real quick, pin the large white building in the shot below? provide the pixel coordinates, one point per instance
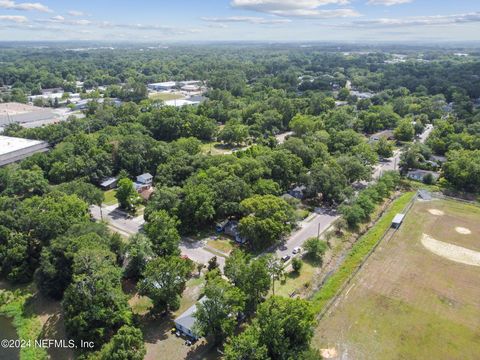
(167, 85)
(15, 149)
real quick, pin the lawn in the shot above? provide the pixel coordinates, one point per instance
(109, 197)
(296, 282)
(222, 244)
(407, 302)
(164, 96)
(215, 148)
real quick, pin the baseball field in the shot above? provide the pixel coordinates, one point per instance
(417, 296)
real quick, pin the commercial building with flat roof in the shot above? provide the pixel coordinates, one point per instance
(15, 149)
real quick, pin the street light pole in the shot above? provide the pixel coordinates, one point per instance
(318, 231)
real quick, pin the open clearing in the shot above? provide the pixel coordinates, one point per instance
(166, 96)
(409, 301)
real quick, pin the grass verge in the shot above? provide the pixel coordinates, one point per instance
(28, 326)
(361, 248)
(110, 198)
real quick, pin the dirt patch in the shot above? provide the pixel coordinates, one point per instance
(462, 230)
(452, 252)
(329, 353)
(436, 212)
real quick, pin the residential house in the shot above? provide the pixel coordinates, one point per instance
(298, 192)
(419, 175)
(230, 227)
(185, 322)
(144, 182)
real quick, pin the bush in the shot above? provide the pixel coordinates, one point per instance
(297, 264)
(315, 248)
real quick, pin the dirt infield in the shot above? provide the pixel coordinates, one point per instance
(452, 252)
(408, 302)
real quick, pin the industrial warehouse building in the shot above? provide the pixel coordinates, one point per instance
(23, 113)
(15, 149)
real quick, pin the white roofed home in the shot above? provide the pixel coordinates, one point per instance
(145, 179)
(186, 321)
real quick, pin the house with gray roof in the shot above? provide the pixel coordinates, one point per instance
(185, 322)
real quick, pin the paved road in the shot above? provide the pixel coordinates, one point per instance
(393, 162)
(390, 164)
(426, 133)
(308, 228)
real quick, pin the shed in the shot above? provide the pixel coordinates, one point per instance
(109, 183)
(397, 220)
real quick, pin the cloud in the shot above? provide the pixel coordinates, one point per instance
(59, 19)
(245, 19)
(14, 18)
(76, 13)
(388, 2)
(12, 5)
(296, 8)
(421, 20)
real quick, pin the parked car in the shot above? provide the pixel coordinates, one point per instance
(285, 258)
(297, 249)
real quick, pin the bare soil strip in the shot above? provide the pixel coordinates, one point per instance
(452, 252)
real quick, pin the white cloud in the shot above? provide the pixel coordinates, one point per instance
(14, 18)
(76, 13)
(12, 5)
(59, 19)
(388, 2)
(421, 20)
(245, 19)
(296, 8)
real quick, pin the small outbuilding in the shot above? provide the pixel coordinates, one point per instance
(110, 183)
(397, 220)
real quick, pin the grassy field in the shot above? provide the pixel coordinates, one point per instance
(165, 96)
(215, 148)
(408, 302)
(296, 282)
(109, 197)
(361, 249)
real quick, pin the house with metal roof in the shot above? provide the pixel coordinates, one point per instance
(185, 322)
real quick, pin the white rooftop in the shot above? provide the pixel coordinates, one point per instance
(398, 218)
(166, 83)
(11, 144)
(180, 102)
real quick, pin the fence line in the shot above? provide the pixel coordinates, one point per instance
(362, 263)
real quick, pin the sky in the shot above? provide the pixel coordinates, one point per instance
(241, 20)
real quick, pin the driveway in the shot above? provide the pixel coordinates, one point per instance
(195, 250)
(283, 136)
(117, 219)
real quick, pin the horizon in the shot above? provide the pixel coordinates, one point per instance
(332, 21)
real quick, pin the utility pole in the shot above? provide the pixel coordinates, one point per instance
(318, 231)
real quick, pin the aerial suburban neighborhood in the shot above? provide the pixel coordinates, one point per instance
(263, 180)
